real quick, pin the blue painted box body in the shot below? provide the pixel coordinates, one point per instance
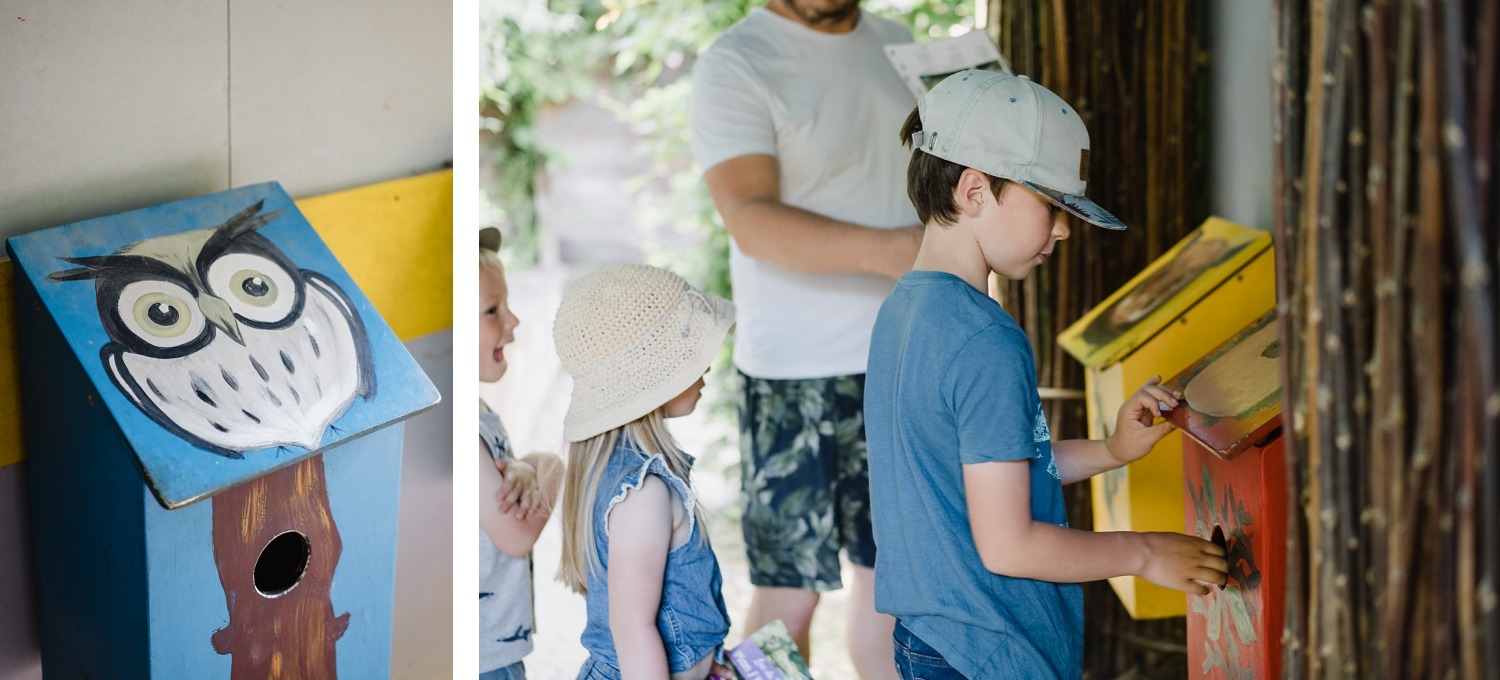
(175, 538)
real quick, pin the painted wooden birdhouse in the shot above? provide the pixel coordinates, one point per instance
(1212, 283)
(1234, 466)
(212, 415)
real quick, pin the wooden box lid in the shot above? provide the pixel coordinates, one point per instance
(1163, 292)
(1232, 396)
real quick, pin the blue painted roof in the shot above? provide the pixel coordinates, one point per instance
(222, 335)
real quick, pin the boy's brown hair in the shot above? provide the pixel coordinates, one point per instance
(930, 180)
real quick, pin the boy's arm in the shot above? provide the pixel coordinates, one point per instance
(640, 534)
(513, 536)
(747, 191)
(1011, 543)
(1134, 435)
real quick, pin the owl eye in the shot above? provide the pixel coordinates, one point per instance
(161, 313)
(257, 288)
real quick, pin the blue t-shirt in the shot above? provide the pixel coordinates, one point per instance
(952, 382)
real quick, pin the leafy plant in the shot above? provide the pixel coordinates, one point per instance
(533, 54)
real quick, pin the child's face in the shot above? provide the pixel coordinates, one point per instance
(1019, 232)
(497, 325)
(684, 403)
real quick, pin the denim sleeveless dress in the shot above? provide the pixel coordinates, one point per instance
(692, 618)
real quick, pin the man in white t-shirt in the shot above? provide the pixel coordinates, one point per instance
(794, 119)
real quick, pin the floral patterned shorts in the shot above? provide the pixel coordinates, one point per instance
(804, 476)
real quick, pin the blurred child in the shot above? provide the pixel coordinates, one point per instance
(976, 560)
(515, 495)
(637, 341)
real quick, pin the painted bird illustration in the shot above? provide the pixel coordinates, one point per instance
(221, 339)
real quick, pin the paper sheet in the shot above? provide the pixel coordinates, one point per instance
(922, 65)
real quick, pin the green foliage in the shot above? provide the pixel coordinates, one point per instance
(532, 54)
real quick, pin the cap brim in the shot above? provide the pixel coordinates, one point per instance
(1079, 206)
(489, 239)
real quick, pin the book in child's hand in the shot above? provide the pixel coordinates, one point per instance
(769, 654)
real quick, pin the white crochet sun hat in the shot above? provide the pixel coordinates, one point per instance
(633, 337)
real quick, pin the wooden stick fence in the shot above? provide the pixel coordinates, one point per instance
(1387, 251)
(1131, 68)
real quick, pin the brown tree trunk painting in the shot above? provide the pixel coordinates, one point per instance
(276, 547)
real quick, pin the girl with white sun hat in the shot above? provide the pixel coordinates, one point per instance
(637, 340)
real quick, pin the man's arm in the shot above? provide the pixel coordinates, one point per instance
(1011, 543)
(747, 192)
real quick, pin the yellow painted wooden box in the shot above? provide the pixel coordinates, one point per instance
(1217, 280)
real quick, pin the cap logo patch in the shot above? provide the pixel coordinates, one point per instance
(1083, 165)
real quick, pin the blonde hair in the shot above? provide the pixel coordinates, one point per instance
(489, 259)
(586, 462)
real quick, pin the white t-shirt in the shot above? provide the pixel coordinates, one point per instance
(829, 107)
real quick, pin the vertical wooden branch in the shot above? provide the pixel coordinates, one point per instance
(1286, 127)
(1474, 431)
(1404, 482)
(1383, 452)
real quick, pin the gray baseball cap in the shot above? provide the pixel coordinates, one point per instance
(1014, 129)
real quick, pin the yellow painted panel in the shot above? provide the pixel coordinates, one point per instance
(1162, 292)
(10, 369)
(394, 238)
(1147, 495)
(396, 241)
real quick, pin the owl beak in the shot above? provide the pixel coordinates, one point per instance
(217, 312)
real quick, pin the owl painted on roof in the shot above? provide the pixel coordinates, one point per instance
(220, 338)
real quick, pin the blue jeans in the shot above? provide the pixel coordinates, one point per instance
(916, 660)
(515, 671)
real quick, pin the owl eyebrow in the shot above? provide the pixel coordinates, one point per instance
(247, 221)
(106, 266)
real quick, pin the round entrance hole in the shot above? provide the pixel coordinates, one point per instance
(282, 563)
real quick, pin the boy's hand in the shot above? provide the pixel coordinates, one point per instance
(1134, 433)
(518, 488)
(1184, 563)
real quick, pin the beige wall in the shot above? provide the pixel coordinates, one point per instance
(1239, 41)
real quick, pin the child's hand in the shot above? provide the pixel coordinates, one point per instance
(719, 671)
(1134, 432)
(1184, 563)
(518, 488)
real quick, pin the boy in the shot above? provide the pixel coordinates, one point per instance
(515, 496)
(976, 561)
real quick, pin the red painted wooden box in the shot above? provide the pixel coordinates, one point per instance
(1234, 478)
